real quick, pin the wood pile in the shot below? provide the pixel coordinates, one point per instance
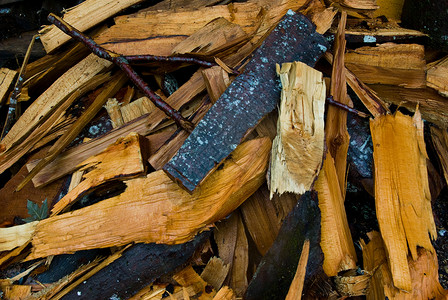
(225, 150)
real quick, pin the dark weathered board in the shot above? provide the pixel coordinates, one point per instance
(246, 101)
(277, 268)
(136, 268)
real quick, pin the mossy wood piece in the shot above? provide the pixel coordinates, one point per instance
(248, 99)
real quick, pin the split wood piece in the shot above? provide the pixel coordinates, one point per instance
(296, 288)
(225, 237)
(320, 15)
(7, 77)
(261, 219)
(298, 148)
(54, 96)
(41, 135)
(83, 16)
(218, 38)
(284, 204)
(177, 139)
(138, 265)
(216, 80)
(423, 269)
(175, 4)
(238, 272)
(248, 99)
(194, 284)
(336, 134)
(436, 77)
(276, 269)
(120, 115)
(145, 211)
(349, 284)
(402, 196)
(111, 88)
(215, 272)
(336, 241)
(158, 32)
(120, 161)
(432, 105)
(439, 139)
(394, 64)
(225, 293)
(67, 161)
(358, 4)
(16, 236)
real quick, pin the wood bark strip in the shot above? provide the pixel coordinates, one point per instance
(402, 196)
(46, 103)
(155, 209)
(120, 161)
(298, 148)
(83, 16)
(251, 96)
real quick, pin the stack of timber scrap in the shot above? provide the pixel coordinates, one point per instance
(203, 149)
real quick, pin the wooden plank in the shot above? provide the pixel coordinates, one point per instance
(120, 161)
(155, 209)
(251, 96)
(6, 83)
(46, 103)
(83, 16)
(298, 148)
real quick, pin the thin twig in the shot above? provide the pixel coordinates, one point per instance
(331, 101)
(13, 111)
(123, 63)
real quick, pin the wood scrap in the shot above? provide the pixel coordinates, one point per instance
(395, 64)
(376, 263)
(16, 236)
(215, 272)
(216, 80)
(403, 201)
(298, 148)
(439, 139)
(248, 162)
(120, 161)
(212, 140)
(336, 240)
(193, 283)
(238, 273)
(296, 288)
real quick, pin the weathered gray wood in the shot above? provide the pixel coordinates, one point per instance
(251, 96)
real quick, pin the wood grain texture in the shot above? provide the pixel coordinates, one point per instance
(155, 209)
(6, 83)
(402, 196)
(251, 96)
(298, 148)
